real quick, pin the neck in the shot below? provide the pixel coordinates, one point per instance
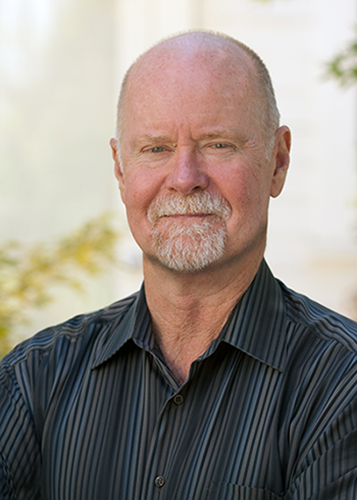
(188, 310)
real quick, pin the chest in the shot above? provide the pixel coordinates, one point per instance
(123, 431)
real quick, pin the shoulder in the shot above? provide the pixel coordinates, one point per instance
(84, 328)
(38, 367)
(321, 356)
(318, 321)
(319, 396)
(35, 375)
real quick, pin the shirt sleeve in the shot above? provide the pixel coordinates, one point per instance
(5, 493)
(19, 450)
(329, 470)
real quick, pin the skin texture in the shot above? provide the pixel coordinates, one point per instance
(192, 125)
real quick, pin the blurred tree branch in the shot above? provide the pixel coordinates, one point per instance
(343, 66)
(28, 272)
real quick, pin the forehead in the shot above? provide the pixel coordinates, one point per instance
(177, 78)
(183, 59)
(216, 50)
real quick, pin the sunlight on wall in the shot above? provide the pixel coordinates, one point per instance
(57, 102)
(61, 63)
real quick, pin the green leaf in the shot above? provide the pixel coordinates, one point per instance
(29, 273)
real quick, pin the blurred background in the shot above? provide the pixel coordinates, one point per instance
(61, 64)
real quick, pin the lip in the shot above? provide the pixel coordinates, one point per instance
(189, 215)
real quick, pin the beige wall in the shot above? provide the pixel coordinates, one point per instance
(312, 245)
(59, 76)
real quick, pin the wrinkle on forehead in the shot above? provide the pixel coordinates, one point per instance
(195, 62)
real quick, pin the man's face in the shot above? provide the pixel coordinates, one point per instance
(194, 174)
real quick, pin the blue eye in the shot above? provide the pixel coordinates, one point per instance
(157, 149)
(220, 145)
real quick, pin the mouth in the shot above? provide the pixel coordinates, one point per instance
(187, 216)
(198, 207)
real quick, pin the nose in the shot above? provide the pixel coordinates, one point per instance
(187, 173)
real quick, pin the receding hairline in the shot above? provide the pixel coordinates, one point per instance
(204, 40)
(196, 42)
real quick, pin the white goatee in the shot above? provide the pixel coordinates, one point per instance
(189, 245)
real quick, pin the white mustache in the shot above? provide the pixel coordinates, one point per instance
(202, 203)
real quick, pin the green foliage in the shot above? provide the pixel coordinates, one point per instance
(27, 273)
(343, 67)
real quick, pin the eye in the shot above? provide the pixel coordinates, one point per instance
(156, 149)
(221, 148)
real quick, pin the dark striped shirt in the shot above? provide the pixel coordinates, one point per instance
(90, 411)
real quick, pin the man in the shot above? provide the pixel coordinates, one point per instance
(215, 381)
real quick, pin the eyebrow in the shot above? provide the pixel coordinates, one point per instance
(220, 133)
(237, 138)
(151, 138)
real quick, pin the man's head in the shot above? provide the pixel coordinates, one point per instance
(197, 125)
(209, 43)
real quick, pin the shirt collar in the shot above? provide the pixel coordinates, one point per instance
(255, 325)
(133, 324)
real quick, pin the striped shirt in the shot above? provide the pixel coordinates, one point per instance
(90, 411)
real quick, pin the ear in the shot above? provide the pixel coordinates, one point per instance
(281, 158)
(118, 172)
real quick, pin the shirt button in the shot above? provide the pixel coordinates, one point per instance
(159, 481)
(178, 399)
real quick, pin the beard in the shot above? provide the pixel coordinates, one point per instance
(189, 245)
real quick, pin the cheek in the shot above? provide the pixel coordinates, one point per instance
(138, 191)
(240, 190)
(141, 188)
(248, 196)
